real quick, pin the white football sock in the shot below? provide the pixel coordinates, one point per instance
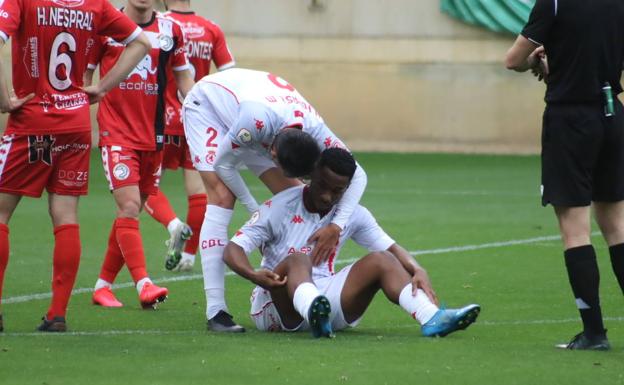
(173, 224)
(141, 283)
(303, 297)
(419, 307)
(188, 257)
(100, 283)
(212, 240)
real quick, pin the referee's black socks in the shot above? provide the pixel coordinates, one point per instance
(585, 279)
(617, 262)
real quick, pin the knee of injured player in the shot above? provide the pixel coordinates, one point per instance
(294, 263)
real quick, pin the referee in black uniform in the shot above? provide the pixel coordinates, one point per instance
(577, 46)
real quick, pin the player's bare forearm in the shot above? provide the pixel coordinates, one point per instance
(88, 77)
(234, 256)
(130, 57)
(408, 262)
(184, 81)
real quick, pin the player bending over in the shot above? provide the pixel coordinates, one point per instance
(292, 294)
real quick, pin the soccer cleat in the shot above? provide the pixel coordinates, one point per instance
(151, 295)
(185, 265)
(55, 325)
(318, 315)
(105, 298)
(223, 322)
(175, 244)
(583, 341)
(446, 321)
(1, 324)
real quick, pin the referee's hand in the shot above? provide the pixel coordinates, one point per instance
(540, 66)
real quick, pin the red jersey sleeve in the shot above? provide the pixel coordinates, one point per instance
(179, 61)
(117, 25)
(95, 53)
(10, 23)
(221, 54)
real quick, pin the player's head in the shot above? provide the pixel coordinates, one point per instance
(331, 177)
(141, 5)
(296, 152)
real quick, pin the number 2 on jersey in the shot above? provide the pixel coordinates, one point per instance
(58, 59)
(212, 135)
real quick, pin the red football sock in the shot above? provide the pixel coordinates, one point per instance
(4, 253)
(131, 245)
(195, 218)
(113, 260)
(159, 208)
(66, 261)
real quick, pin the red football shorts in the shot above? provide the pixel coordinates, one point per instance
(129, 167)
(176, 153)
(58, 163)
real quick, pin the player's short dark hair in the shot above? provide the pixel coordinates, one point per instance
(297, 152)
(339, 160)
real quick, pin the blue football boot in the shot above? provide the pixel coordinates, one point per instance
(446, 321)
(318, 315)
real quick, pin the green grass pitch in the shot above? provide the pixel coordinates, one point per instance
(474, 221)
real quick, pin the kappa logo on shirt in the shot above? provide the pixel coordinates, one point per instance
(259, 124)
(296, 219)
(144, 68)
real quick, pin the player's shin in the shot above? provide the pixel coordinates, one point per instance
(66, 262)
(131, 246)
(303, 297)
(159, 208)
(113, 261)
(194, 218)
(213, 238)
(419, 306)
(617, 262)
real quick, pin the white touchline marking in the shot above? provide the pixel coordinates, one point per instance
(180, 278)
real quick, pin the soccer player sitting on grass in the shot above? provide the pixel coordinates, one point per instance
(292, 294)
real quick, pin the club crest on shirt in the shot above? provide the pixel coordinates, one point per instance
(121, 171)
(166, 42)
(244, 135)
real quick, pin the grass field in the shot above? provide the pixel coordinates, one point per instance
(474, 222)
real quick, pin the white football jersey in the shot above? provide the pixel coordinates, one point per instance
(282, 226)
(262, 105)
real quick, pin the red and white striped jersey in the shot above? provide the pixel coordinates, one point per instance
(51, 41)
(132, 114)
(205, 43)
(282, 226)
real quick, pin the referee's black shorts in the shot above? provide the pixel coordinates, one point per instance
(582, 155)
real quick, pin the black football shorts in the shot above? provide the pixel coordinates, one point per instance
(582, 155)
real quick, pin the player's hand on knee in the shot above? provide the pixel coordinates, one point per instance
(326, 239)
(420, 280)
(268, 279)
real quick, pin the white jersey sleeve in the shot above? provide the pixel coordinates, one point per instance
(257, 231)
(367, 233)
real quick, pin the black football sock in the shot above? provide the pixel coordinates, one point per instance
(585, 280)
(617, 262)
